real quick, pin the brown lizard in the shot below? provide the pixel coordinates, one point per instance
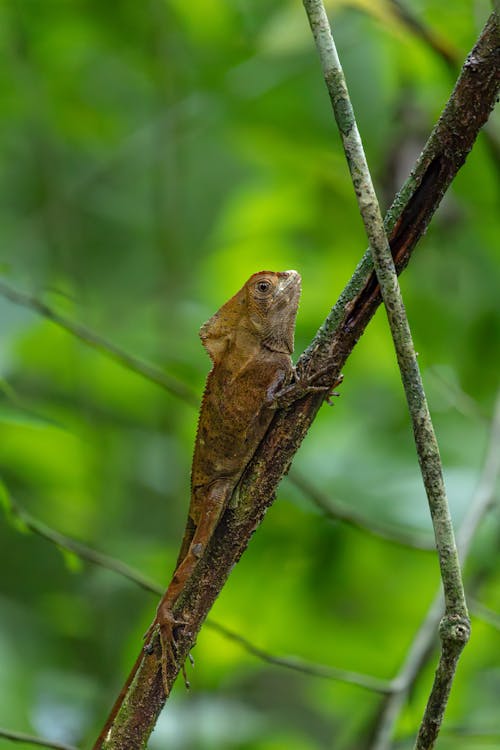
(249, 340)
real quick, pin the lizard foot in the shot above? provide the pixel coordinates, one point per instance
(165, 624)
(304, 386)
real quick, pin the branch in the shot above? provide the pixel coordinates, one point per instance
(29, 739)
(94, 340)
(142, 698)
(86, 553)
(440, 46)
(454, 628)
(450, 392)
(77, 548)
(347, 514)
(299, 665)
(424, 640)
(484, 613)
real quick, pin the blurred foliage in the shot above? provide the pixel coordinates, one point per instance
(154, 155)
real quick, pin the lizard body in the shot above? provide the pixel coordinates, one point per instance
(249, 340)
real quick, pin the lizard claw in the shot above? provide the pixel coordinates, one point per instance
(303, 386)
(165, 623)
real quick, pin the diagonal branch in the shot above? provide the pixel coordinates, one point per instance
(376, 684)
(339, 511)
(484, 613)
(98, 342)
(82, 551)
(138, 706)
(29, 739)
(440, 46)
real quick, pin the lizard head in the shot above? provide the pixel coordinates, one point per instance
(272, 299)
(264, 310)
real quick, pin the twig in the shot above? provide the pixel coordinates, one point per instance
(136, 710)
(450, 392)
(437, 44)
(484, 613)
(299, 665)
(29, 739)
(14, 398)
(331, 508)
(485, 490)
(454, 628)
(340, 512)
(88, 554)
(77, 548)
(148, 371)
(442, 48)
(424, 640)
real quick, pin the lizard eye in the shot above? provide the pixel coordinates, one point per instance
(263, 286)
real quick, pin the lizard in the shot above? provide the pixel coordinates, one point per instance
(250, 340)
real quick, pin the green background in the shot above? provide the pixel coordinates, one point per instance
(154, 155)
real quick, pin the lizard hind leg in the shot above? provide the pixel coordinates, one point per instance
(165, 623)
(212, 502)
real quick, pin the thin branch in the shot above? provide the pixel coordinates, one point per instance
(484, 495)
(450, 392)
(417, 655)
(18, 402)
(424, 640)
(88, 554)
(434, 41)
(77, 548)
(331, 508)
(442, 48)
(347, 514)
(94, 340)
(136, 710)
(299, 665)
(29, 739)
(454, 628)
(484, 613)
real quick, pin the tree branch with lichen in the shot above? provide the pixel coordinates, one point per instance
(454, 627)
(135, 713)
